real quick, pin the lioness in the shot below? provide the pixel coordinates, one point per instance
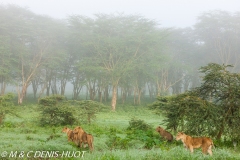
(165, 134)
(69, 133)
(191, 142)
(78, 136)
(88, 139)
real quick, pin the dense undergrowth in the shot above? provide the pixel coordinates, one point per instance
(128, 133)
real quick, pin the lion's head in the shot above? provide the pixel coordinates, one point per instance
(65, 130)
(159, 129)
(78, 130)
(180, 135)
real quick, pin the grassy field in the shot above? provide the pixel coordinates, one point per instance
(22, 138)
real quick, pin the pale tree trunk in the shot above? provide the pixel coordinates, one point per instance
(164, 84)
(114, 95)
(22, 93)
(137, 94)
(3, 88)
(123, 94)
(42, 90)
(150, 90)
(106, 93)
(77, 87)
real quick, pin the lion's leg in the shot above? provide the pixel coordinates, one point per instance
(90, 145)
(81, 144)
(204, 149)
(185, 146)
(191, 149)
(210, 150)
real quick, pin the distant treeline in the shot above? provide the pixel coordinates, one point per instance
(114, 55)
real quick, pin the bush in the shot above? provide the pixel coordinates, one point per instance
(55, 111)
(88, 109)
(117, 142)
(6, 101)
(138, 124)
(140, 130)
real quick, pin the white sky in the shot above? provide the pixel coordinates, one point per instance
(169, 13)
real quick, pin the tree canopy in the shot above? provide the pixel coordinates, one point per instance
(109, 57)
(211, 109)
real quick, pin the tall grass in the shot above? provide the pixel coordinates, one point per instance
(23, 133)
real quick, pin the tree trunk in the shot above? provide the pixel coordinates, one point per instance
(139, 96)
(106, 94)
(22, 93)
(219, 135)
(123, 95)
(135, 95)
(63, 86)
(35, 87)
(114, 97)
(42, 90)
(3, 88)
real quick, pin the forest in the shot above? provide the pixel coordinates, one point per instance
(110, 57)
(118, 76)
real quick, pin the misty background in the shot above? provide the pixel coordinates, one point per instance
(126, 49)
(168, 13)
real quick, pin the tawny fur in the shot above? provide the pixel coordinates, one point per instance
(69, 132)
(78, 136)
(165, 134)
(88, 139)
(195, 142)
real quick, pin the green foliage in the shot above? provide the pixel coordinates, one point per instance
(222, 88)
(187, 112)
(211, 109)
(53, 135)
(116, 142)
(87, 109)
(30, 137)
(54, 111)
(6, 101)
(140, 130)
(137, 131)
(138, 124)
(51, 100)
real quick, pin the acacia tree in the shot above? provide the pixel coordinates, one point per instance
(221, 87)
(211, 109)
(31, 39)
(120, 41)
(6, 63)
(114, 43)
(218, 33)
(8, 44)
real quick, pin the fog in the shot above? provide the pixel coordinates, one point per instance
(169, 13)
(120, 50)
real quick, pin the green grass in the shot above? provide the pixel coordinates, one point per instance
(22, 133)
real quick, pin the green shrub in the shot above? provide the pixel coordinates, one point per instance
(140, 130)
(116, 142)
(87, 109)
(55, 112)
(9, 125)
(6, 101)
(138, 124)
